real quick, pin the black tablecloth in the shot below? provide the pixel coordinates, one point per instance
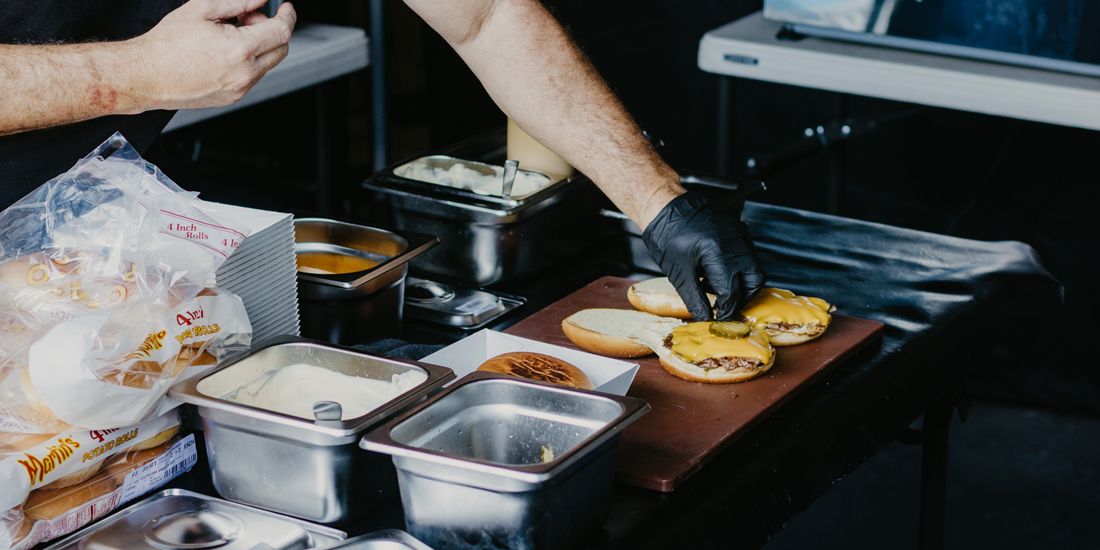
(945, 302)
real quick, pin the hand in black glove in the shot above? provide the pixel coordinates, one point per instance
(690, 240)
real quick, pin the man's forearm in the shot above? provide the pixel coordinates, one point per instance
(44, 86)
(206, 53)
(541, 79)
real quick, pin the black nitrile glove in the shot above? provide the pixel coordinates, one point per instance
(689, 240)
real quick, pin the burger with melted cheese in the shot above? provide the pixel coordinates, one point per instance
(788, 319)
(713, 353)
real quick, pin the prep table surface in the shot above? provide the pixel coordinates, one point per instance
(943, 301)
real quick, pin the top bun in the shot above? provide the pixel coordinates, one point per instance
(659, 297)
(537, 366)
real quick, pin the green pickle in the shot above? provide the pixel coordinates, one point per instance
(731, 329)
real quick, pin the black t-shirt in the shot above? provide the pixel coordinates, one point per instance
(29, 159)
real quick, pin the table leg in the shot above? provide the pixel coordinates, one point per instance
(324, 180)
(725, 91)
(933, 479)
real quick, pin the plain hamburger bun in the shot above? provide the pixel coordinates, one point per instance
(619, 332)
(120, 465)
(537, 366)
(659, 297)
(156, 440)
(36, 409)
(50, 504)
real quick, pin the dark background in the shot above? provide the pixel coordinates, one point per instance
(1022, 471)
(938, 170)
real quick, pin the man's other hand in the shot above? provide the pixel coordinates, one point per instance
(209, 53)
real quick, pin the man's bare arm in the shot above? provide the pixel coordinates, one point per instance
(540, 78)
(194, 58)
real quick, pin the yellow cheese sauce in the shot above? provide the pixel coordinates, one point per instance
(694, 342)
(774, 305)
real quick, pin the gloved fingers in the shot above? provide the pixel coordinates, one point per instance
(731, 300)
(754, 281)
(693, 296)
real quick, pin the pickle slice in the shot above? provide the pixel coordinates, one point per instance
(730, 329)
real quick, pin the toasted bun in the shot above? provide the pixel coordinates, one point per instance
(156, 440)
(49, 504)
(659, 297)
(536, 366)
(120, 465)
(688, 371)
(617, 332)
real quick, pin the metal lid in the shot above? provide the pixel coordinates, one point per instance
(193, 529)
(179, 519)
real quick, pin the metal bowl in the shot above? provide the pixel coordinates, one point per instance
(305, 468)
(475, 467)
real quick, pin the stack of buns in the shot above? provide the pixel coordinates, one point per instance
(73, 491)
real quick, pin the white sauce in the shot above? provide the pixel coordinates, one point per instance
(295, 388)
(461, 177)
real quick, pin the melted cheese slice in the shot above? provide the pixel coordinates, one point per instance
(774, 305)
(694, 342)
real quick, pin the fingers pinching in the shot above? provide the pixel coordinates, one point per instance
(270, 33)
(694, 298)
(224, 10)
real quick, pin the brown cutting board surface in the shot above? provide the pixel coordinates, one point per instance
(691, 422)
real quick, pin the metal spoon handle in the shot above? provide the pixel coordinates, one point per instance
(510, 169)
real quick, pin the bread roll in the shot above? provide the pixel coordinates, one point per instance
(616, 332)
(11, 443)
(659, 297)
(156, 440)
(537, 366)
(50, 504)
(36, 409)
(120, 465)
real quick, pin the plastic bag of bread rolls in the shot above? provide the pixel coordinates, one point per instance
(103, 298)
(55, 484)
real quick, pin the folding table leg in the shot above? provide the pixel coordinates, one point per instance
(933, 478)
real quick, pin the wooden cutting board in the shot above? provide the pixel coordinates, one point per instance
(691, 422)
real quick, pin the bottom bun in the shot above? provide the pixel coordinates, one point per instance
(617, 332)
(799, 334)
(50, 504)
(537, 366)
(687, 371)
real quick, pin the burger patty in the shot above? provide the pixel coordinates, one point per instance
(809, 330)
(728, 362)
